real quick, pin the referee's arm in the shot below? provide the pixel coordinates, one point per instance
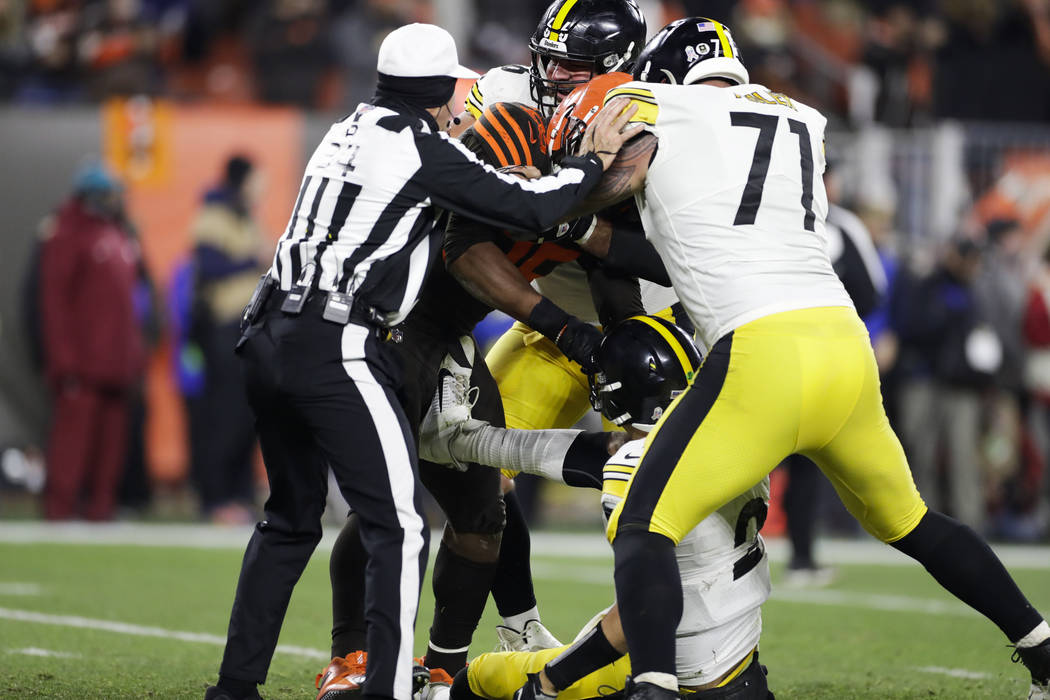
(456, 180)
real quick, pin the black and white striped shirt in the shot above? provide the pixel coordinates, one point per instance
(368, 217)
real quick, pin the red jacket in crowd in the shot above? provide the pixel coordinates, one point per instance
(89, 269)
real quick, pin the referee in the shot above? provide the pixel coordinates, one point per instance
(366, 225)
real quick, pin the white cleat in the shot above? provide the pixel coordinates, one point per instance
(1039, 692)
(534, 637)
(449, 413)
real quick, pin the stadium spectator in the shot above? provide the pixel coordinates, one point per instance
(119, 50)
(227, 246)
(291, 52)
(948, 356)
(93, 348)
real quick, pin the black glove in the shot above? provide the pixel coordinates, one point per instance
(575, 231)
(578, 340)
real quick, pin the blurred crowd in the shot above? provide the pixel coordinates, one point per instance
(889, 61)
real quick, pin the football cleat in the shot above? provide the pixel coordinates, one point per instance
(647, 691)
(449, 414)
(438, 685)
(533, 637)
(343, 677)
(1037, 660)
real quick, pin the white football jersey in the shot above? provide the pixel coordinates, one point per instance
(724, 570)
(566, 285)
(734, 201)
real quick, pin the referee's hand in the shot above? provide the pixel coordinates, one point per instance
(607, 133)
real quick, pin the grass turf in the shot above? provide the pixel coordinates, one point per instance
(842, 650)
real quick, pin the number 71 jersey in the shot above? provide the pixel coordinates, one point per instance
(734, 201)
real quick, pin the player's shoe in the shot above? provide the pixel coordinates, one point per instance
(216, 693)
(448, 417)
(532, 637)
(647, 691)
(813, 576)
(1037, 660)
(531, 690)
(437, 686)
(343, 677)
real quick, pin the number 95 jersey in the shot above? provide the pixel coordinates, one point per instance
(734, 201)
(724, 570)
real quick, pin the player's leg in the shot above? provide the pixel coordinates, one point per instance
(540, 389)
(469, 551)
(866, 464)
(736, 421)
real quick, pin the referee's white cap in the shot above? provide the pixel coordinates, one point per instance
(421, 51)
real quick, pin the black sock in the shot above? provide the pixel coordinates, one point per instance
(512, 586)
(649, 594)
(800, 507)
(583, 658)
(237, 688)
(461, 588)
(965, 565)
(346, 566)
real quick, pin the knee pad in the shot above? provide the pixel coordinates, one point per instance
(749, 685)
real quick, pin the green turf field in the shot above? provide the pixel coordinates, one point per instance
(134, 621)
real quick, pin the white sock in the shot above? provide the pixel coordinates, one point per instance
(1036, 637)
(540, 452)
(664, 680)
(517, 622)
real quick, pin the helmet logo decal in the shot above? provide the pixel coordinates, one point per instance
(657, 412)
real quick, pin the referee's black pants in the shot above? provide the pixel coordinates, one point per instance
(323, 394)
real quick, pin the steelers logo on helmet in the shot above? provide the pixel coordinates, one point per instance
(585, 36)
(688, 51)
(643, 364)
(570, 120)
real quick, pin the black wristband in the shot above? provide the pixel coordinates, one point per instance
(548, 318)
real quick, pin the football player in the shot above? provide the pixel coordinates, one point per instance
(727, 181)
(643, 364)
(439, 327)
(574, 41)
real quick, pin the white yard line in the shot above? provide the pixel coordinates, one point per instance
(554, 544)
(142, 631)
(35, 651)
(17, 588)
(955, 672)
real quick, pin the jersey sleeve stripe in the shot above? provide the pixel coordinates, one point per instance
(475, 103)
(648, 108)
(672, 342)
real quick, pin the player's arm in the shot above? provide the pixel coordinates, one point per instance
(483, 269)
(624, 250)
(616, 295)
(624, 178)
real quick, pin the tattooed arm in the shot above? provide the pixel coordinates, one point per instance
(625, 177)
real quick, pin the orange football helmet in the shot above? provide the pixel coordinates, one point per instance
(575, 112)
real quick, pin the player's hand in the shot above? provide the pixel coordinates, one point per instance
(526, 172)
(608, 131)
(579, 341)
(575, 231)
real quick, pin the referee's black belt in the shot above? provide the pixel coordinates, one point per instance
(318, 301)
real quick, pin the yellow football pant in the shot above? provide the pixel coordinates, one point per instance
(794, 382)
(498, 675)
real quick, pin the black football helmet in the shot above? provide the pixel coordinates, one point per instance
(606, 34)
(689, 50)
(643, 363)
